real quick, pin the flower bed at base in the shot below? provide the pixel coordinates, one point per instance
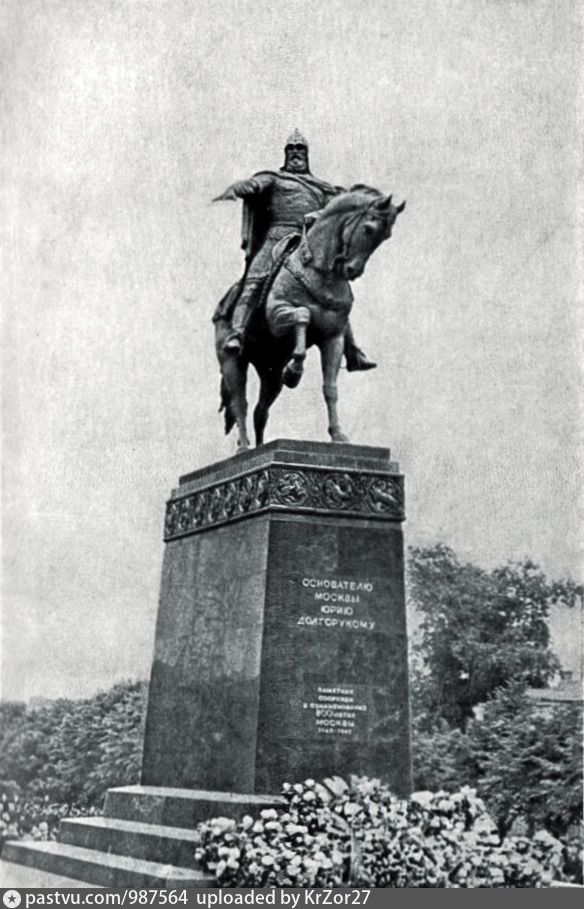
(35, 818)
(335, 834)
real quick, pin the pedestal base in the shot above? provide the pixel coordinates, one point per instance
(281, 646)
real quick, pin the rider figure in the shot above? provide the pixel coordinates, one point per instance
(275, 203)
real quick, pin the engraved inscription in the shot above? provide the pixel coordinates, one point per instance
(338, 604)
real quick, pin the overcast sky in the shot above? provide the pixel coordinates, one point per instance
(123, 119)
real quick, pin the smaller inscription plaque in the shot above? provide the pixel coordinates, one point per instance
(339, 710)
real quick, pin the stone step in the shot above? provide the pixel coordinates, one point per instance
(102, 869)
(149, 842)
(182, 807)
(23, 877)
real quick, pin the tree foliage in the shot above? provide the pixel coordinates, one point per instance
(480, 630)
(71, 752)
(442, 757)
(529, 763)
(484, 638)
(525, 764)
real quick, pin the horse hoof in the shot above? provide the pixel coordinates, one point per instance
(292, 374)
(340, 437)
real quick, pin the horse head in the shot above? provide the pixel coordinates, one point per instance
(370, 225)
(349, 229)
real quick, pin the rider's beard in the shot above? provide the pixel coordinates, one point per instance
(296, 163)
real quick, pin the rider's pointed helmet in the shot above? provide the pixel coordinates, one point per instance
(296, 138)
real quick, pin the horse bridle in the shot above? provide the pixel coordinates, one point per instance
(357, 217)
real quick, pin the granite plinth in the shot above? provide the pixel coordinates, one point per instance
(281, 642)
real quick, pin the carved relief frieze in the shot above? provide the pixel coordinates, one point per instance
(291, 487)
(385, 495)
(308, 489)
(339, 490)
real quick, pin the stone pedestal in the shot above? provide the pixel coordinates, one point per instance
(281, 654)
(281, 644)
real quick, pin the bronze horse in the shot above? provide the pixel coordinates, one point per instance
(308, 302)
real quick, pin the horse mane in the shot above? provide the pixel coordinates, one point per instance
(362, 187)
(356, 197)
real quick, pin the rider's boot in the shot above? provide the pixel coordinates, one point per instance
(356, 359)
(240, 318)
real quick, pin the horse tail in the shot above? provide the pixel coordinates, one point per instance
(227, 407)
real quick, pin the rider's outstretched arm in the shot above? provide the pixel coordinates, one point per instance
(244, 188)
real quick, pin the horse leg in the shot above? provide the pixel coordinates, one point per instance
(270, 388)
(331, 353)
(234, 371)
(293, 370)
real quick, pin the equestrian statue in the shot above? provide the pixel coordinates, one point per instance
(304, 241)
